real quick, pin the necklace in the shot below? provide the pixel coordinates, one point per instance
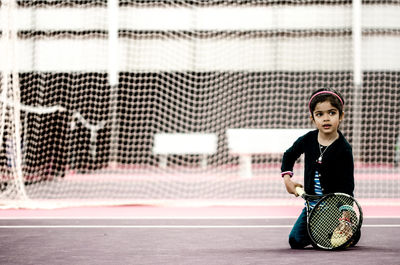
(319, 161)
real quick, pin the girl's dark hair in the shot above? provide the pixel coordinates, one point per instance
(333, 96)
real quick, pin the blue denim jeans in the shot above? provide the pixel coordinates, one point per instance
(298, 237)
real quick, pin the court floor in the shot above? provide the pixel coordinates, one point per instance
(219, 235)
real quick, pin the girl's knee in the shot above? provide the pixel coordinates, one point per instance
(298, 243)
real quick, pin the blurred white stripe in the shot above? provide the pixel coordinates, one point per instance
(268, 54)
(209, 18)
(314, 53)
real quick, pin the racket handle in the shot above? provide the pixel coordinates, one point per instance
(300, 191)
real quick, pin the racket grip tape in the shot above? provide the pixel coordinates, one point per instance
(300, 191)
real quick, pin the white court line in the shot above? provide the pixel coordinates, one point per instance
(383, 226)
(147, 217)
(168, 217)
(144, 226)
(168, 226)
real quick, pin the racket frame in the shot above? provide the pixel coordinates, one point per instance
(321, 198)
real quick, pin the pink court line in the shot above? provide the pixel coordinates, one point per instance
(227, 172)
(137, 212)
(205, 177)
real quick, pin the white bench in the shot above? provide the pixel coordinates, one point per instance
(246, 142)
(184, 144)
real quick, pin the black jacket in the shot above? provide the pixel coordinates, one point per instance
(337, 168)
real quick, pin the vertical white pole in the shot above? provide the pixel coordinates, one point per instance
(113, 70)
(17, 132)
(4, 63)
(12, 68)
(112, 14)
(357, 76)
(357, 41)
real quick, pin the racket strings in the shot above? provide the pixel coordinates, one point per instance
(333, 221)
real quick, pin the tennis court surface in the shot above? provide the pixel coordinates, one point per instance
(182, 235)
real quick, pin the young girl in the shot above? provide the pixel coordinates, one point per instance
(328, 158)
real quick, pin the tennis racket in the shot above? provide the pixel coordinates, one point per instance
(334, 222)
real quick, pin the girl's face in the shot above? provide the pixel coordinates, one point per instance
(326, 118)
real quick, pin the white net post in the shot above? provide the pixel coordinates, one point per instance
(4, 73)
(113, 71)
(11, 102)
(357, 76)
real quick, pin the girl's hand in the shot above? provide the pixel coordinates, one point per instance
(291, 185)
(342, 233)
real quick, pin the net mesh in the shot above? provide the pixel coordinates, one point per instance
(134, 101)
